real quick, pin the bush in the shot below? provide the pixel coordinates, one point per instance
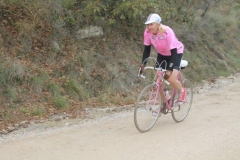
(130, 15)
(54, 89)
(12, 72)
(74, 89)
(60, 102)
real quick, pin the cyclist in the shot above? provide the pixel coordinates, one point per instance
(169, 48)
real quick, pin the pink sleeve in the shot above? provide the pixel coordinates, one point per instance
(147, 38)
(171, 37)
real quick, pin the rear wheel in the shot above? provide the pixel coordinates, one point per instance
(147, 108)
(180, 110)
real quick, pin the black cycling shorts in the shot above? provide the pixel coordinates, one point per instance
(176, 64)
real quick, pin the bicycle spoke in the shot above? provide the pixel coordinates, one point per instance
(147, 108)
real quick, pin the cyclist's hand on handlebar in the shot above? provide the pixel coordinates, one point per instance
(167, 74)
(141, 68)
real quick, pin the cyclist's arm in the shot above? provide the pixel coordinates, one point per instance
(146, 53)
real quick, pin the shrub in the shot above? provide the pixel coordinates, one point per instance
(74, 89)
(37, 82)
(54, 89)
(60, 102)
(38, 111)
(130, 15)
(12, 72)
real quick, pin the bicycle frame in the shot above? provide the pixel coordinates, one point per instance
(160, 82)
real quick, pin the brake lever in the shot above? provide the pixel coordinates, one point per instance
(141, 75)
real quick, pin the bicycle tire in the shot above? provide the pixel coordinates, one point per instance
(147, 108)
(180, 110)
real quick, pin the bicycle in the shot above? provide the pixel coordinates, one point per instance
(159, 97)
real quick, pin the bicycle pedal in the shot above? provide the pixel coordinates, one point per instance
(164, 109)
(166, 112)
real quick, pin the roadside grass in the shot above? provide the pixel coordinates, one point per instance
(10, 92)
(12, 72)
(37, 82)
(54, 88)
(60, 102)
(38, 111)
(75, 90)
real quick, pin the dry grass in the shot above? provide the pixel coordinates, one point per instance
(213, 43)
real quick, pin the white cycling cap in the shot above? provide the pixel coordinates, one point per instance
(153, 18)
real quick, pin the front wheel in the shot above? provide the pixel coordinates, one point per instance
(180, 110)
(147, 108)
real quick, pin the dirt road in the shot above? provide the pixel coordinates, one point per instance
(211, 131)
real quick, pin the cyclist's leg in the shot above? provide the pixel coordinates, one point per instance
(173, 79)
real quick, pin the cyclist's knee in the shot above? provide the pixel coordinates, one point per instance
(174, 75)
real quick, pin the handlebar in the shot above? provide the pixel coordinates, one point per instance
(159, 69)
(183, 64)
(150, 67)
(153, 68)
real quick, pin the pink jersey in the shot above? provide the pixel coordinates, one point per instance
(165, 42)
